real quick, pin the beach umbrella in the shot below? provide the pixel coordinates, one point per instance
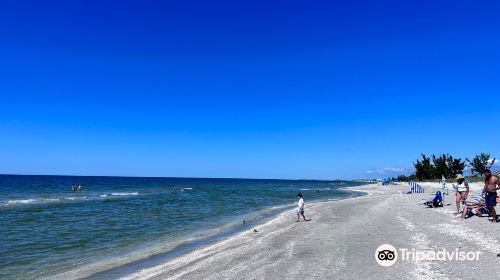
(444, 189)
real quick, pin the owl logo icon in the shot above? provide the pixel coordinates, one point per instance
(386, 255)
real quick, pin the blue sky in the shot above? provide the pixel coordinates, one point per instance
(255, 89)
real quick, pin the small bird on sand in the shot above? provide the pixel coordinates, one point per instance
(254, 230)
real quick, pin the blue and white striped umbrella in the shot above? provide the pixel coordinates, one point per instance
(416, 188)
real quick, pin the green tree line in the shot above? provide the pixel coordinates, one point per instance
(434, 167)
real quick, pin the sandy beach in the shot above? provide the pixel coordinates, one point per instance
(152, 140)
(341, 240)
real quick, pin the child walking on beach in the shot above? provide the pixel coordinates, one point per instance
(300, 209)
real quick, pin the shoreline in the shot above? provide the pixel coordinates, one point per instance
(342, 237)
(178, 248)
(118, 269)
(184, 247)
(215, 240)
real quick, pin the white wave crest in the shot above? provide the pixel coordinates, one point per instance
(124, 193)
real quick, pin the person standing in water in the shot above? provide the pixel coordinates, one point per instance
(300, 209)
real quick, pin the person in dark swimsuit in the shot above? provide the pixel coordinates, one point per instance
(491, 185)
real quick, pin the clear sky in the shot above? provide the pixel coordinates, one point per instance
(255, 89)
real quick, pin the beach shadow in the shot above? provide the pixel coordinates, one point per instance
(490, 219)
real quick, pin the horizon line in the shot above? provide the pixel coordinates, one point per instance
(175, 177)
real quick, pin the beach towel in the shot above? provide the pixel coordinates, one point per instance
(474, 198)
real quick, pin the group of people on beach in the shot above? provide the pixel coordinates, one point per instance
(485, 205)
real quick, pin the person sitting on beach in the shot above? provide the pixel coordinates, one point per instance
(436, 202)
(478, 202)
(491, 185)
(477, 208)
(300, 209)
(470, 211)
(462, 191)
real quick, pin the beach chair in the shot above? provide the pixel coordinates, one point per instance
(416, 188)
(474, 198)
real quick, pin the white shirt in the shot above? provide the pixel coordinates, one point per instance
(301, 201)
(461, 187)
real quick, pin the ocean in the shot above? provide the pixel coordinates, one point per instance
(121, 224)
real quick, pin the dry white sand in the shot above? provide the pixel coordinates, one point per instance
(341, 240)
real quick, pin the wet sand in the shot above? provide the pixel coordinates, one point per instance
(340, 243)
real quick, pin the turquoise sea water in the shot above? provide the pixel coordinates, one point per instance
(46, 229)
